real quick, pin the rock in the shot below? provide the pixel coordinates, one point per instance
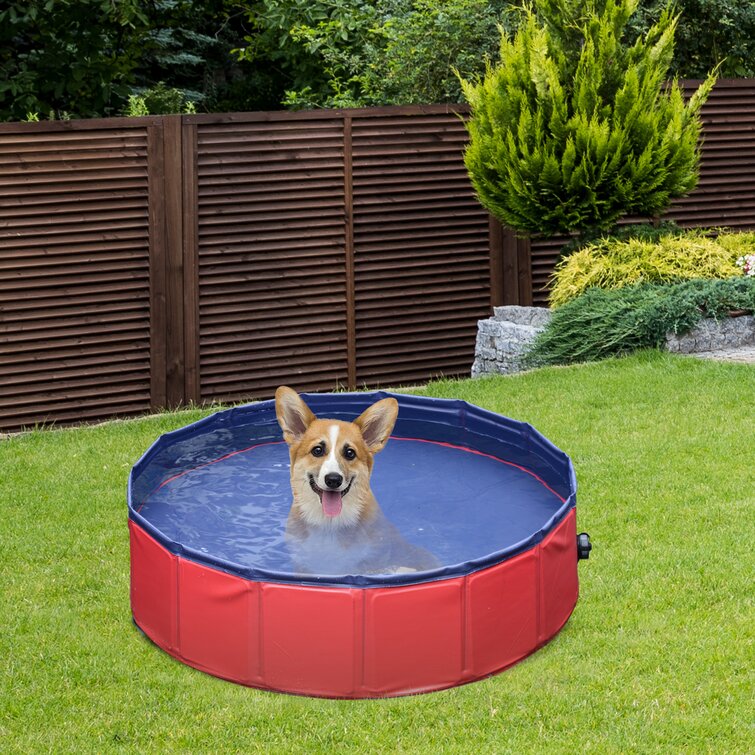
(503, 339)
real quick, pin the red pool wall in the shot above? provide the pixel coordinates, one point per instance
(354, 642)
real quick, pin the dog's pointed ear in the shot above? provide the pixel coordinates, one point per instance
(376, 423)
(294, 416)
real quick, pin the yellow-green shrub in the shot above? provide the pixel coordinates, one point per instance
(611, 263)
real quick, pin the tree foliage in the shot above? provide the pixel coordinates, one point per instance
(332, 53)
(709, 32)
(86, 57)
(347, 53)
(574, 127)
(316, 44)
(429, 44)
(73, 56)
(188, 47)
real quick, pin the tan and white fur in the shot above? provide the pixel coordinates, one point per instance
(335, 525)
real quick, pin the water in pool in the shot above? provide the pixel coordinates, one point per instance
(459, 505)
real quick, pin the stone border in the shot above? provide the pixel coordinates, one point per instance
(503, 339)
(714, 335)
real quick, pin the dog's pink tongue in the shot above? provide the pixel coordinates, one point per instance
(331, 502)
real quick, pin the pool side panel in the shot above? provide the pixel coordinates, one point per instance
(413, 638)
(307, 640)
(219, 623)
(559, 586)
(501, 620)
(154, 589)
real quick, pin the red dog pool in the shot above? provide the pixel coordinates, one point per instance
(212, 582)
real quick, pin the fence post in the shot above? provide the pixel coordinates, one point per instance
(510, 266)
(157, 292)
(348, 194)
(495, 244)
(174, 262)
(524, 267)
(190, 263)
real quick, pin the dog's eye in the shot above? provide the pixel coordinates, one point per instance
(349, 453)
(317, 451)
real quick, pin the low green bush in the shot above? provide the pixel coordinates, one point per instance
(612, 322)
(159, 100)
(671, 257)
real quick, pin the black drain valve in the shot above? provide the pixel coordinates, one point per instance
(584, 546)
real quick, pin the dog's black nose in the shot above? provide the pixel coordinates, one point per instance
(333, 480)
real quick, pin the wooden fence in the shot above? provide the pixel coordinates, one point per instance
(157, 261)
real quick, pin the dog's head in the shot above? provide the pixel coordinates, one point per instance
(331, 460)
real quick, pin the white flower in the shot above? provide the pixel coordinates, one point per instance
(747, 263)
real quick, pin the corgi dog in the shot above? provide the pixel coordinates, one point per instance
(335, 525)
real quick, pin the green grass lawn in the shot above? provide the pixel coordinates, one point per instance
(657, 656)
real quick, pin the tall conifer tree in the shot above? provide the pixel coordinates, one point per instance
(574, 127)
